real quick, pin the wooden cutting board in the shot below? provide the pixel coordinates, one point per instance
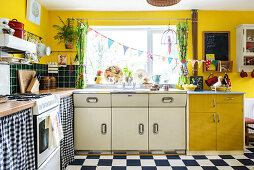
(25, 77)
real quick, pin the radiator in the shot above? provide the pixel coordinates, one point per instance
(249, 109)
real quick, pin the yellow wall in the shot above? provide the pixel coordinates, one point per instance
(17, 9)
(227, 21)
(208, 21)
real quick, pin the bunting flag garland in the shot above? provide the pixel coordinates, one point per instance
(169, 60)
(208, 63)
(183, 61)
(135, 52)
(125, 48)
(148, 56)
(193, 62)
(215, 62)
(110, 42)
(140, 53)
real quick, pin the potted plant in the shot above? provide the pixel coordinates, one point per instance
(66, 34)
(127, 74)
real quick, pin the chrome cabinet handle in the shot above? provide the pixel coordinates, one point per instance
(155, 128)
(103, 128)
(218, 118)
(214, 102)
(230, 98)
(141, 128)
(92, 100)
(214, 117)
(167, 99)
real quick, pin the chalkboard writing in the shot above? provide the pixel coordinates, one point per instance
(216, 43)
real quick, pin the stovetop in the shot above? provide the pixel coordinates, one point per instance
(26, 97)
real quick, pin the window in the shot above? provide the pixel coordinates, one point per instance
(139, 40)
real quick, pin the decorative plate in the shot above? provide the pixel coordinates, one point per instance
(113, 71)
(139, 75)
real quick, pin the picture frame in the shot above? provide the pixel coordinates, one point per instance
(200, 85)
(62, 60)
(33, 11)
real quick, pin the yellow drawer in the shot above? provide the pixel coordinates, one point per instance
(229, 98)
(202, 103)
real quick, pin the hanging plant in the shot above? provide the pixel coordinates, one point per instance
(66, 34)
(81, 44)
(182, 30)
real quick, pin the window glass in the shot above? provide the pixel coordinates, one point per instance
(100, 56)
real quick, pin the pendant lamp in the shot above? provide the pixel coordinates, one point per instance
(163, 3)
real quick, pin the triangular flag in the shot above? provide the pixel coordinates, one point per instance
(183, 61)
(110, 42)
(208, 63)
(200, 63)
(148, 56)
(163, 59)
(125, 48)
(215, 62)
(169, 60)
(90, 29)
(193, 62)
(140, 53)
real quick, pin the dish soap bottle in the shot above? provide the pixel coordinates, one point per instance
(98, 78)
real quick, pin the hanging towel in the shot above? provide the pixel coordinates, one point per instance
(53, 123)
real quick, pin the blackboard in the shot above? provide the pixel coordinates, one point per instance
(217, 43)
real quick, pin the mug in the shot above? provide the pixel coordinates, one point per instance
(156, 79)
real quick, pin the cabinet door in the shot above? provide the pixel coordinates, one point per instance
(167, 129)
(230, 126)
(202, 131)
(130, 129)
(92, 129)
(202, 103)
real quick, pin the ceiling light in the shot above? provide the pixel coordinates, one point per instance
(163, 3)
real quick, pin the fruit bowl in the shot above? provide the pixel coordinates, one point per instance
(189, 87)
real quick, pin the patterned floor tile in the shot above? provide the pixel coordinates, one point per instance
(165, 162)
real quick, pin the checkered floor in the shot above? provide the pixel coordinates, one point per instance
(175, 162)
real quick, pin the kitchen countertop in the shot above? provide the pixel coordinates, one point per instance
(213, 92)
(121, 91)
(62, 92)
(14, 106)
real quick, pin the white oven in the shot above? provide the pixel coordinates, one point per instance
(43, 151)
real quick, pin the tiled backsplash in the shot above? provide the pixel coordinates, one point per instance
(65, 78)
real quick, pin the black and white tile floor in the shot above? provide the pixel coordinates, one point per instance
(165, 162)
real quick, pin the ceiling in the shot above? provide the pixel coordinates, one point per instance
(142, 5)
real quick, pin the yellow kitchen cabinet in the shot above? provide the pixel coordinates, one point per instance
(229, 126)
(202, 103)
(220, 127)
(202, 131)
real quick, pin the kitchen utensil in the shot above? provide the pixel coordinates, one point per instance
(25, 77)
(18, 27)
(211, 80)
(113, 71)
(41, 49)
(156, 79)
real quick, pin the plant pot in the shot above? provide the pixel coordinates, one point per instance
(128, 79)
(69, 45)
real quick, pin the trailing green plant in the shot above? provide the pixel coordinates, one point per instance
(182, 30)
(66, 33)
(127, 72)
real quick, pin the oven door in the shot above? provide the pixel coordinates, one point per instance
(43, 150)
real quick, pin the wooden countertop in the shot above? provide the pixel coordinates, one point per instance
(15, 106)
(62, 92)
